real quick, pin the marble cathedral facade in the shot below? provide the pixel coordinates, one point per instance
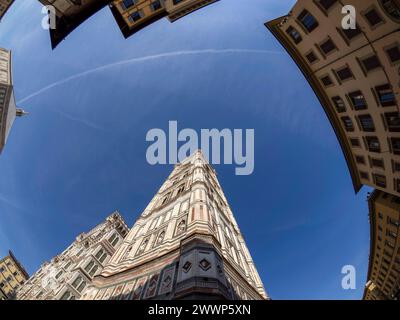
(67, 275)
(185, 245)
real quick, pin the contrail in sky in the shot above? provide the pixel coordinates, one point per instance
(77, 119)
(144, 59)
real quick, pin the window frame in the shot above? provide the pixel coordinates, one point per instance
(378, 89)
(352, 95)
(81, 285)
(301, 21)
(326, 54)
(338, 108)
(326, 76)
(323, 9)
(314, 54)
(347, 128)
(392, 46)
(362, 64)
(291, 35)
(368, 10)
(392, 143)
(391, 127)
(132, 20)
(373, 150)
(361, 118)
(339, 79)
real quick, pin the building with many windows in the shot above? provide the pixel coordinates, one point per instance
(12, 276)
(4, 6)
(355, 74)
(8, 109)
(69, 14)
(134, 15)
(383, 281)
(66, 275)
(131, 15)
(185, 245)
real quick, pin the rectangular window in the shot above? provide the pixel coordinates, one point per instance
(307, 20)
(348, 124)
(126, 4)
(373, 144)
(355, 142)
(393, 121)
(344, 74)
(360, 159)
(327, 4)
(67, 296)
(391, 234)
(396, 166)
(370, 63)
(294, 34)
(387, 254)
(390, 245)
(386, 95)
(327, 46)
(327, 81)
(311, 57)
(393, 54)
(373, 17)
(358, 100)
(135, 16)
(395, 145)
(366, 122)
(380, 180)
(156, 5)
(393, 222)
(378, 163)
(339, 104)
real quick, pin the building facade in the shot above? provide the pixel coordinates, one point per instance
(8, 109)
(134, 15)
(131, 15)
(185, 245)
(355, 74)
(4, 6)
(383, 281)
(70, 14)
(12, 276)
(66, 275)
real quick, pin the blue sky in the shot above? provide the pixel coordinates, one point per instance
(80, 154)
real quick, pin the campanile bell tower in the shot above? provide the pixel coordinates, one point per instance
(185, 245)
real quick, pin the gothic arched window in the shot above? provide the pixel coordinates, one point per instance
(181, 227)
(143, 246)
(127, 252)
(79, 284)
(160, 237)
(113, 240)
